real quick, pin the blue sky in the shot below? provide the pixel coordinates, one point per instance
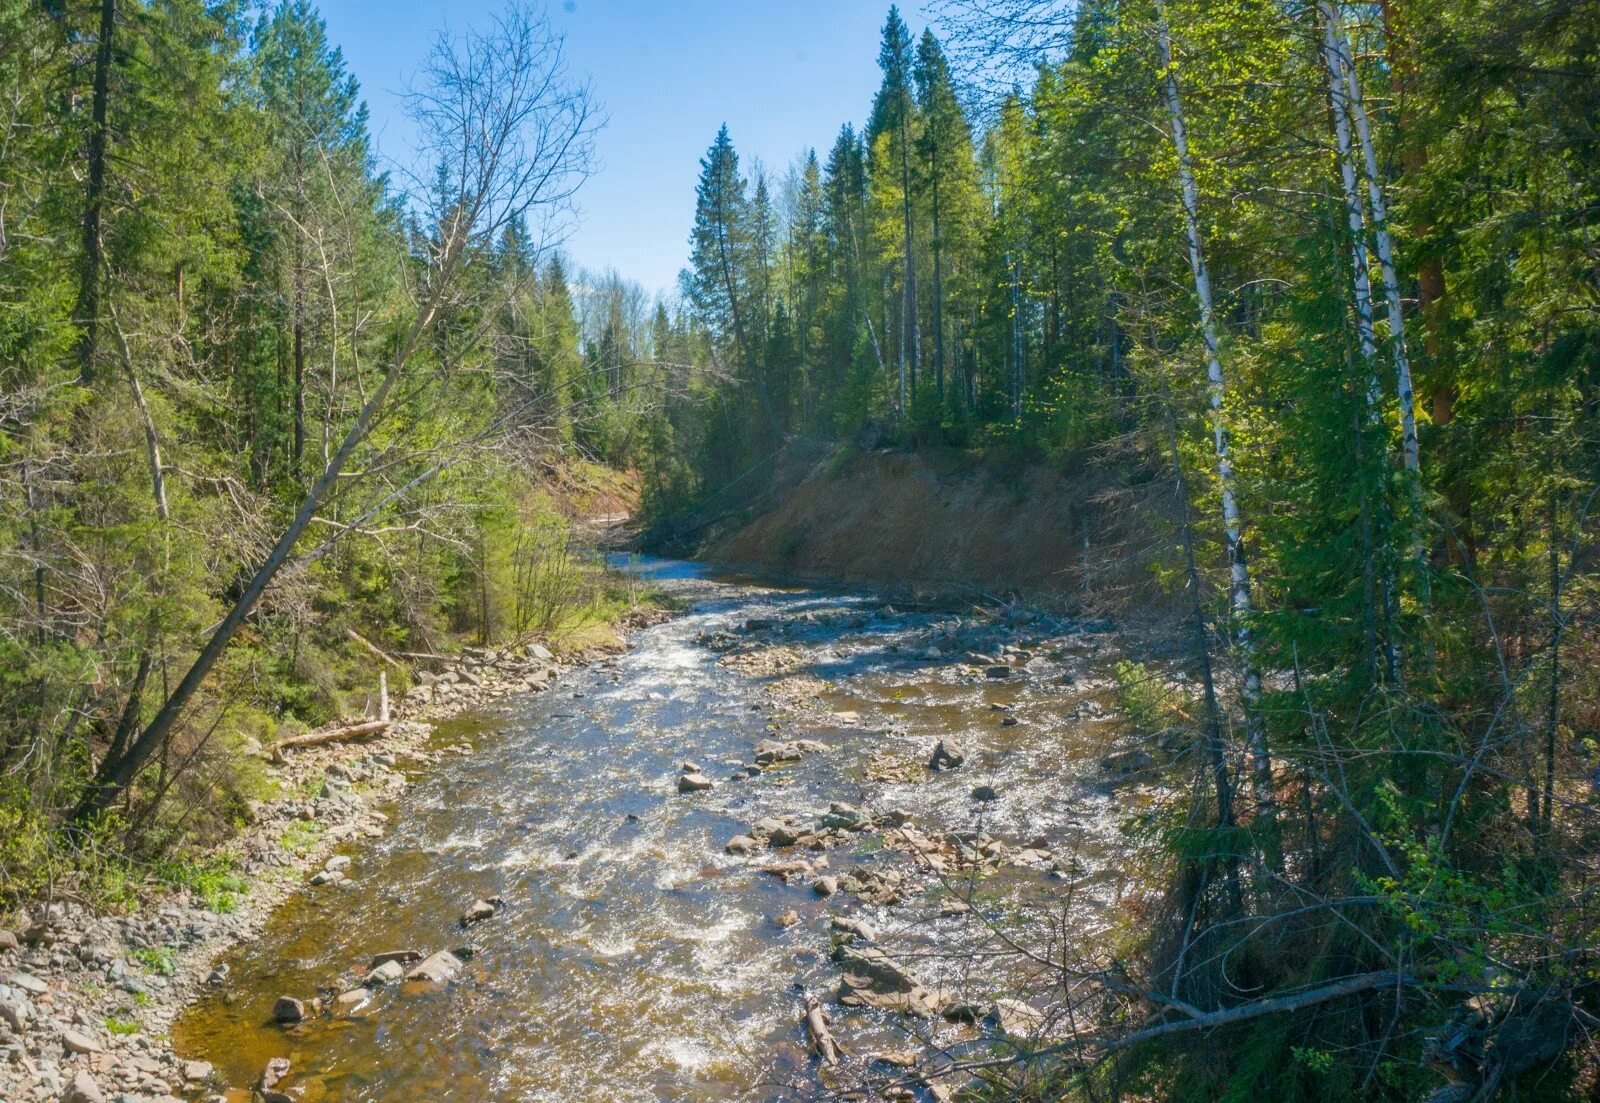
(783, 74)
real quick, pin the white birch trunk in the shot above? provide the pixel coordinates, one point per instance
(1354, 214)
(1238, 569)
(1340, 45)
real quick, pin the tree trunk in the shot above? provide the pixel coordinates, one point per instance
(911, 341)
(115, 776)
(1238, 569)
(87, 310)
(938, 282)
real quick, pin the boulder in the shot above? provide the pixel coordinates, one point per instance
(354, 998)
(441, 968)
(825, 886)
(288, 1010)
(403, 957)
(196, 1071)
(693, 783)
(997, 672)
(985, 793)
(8, 941)
(947, 755)
(787, 919)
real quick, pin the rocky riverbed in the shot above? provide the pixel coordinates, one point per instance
(87, 1000)
(792, 843)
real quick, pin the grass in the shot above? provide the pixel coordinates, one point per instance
(116, 1025)
(301, 837)
(159, 960)
(214, 880)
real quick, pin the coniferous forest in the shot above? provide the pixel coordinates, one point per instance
(1312, 286)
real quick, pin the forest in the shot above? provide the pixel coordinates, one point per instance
(1315, 285)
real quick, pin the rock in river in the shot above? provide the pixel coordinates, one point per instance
(742, 845)
(693, 783)
(947, 755)
(438, 969)
(288, 1010)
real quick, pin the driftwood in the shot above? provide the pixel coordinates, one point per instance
(348, 734)
(426, 656)
(374, 648)
(822, 1040)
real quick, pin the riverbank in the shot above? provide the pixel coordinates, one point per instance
(87, 1000)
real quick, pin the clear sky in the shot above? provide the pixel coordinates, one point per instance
(783, 74)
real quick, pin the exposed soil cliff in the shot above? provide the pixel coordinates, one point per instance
(936, 521)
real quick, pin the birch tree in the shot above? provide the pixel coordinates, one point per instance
(1232, 523)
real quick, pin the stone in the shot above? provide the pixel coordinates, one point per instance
(845, 816)
(404, 957)
(997, 672)
(690, 767)
(29, 984)
(390, 972)
(787, 919)
(742, 845)
(15, 1011)
(693, 783)
(8, 941)
(196, 1071)
(353, 998)
(985, 793)
(825, 886)
(541, 652)
(338, 862)
(277, 1068)
(441, 968)
(83, 1089)
(1015, 1018)
(854, 928)
(770, 752)
(288, 1010)
(478, 912)
(947, 755)
(78, 1042)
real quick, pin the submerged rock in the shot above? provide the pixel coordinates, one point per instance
(481, 910)
(288, 1010)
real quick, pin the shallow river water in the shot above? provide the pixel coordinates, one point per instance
(635, 960)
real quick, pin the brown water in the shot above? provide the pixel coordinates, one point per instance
(636, 961)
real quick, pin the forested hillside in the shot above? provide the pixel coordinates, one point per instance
(265, 401)
(1317, 282)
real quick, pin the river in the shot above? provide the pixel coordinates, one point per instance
(634, 959)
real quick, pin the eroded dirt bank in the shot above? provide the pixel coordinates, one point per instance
(935, 522)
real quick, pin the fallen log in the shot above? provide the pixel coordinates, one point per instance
(822, 1040)
(348, 734)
